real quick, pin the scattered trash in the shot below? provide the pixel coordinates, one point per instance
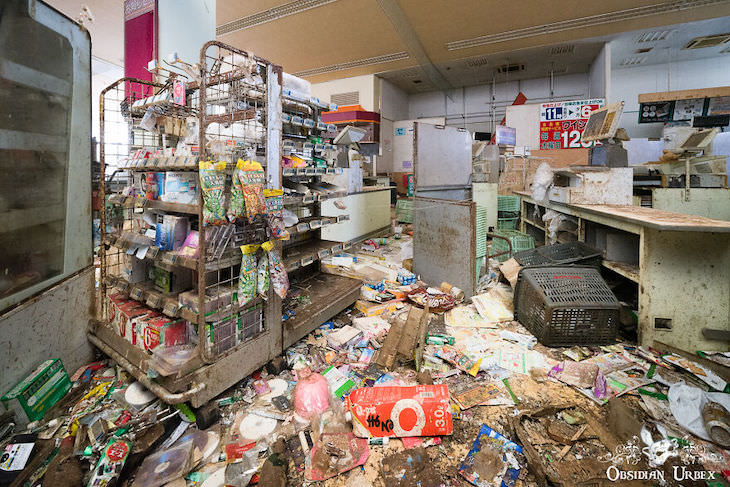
(492, 460)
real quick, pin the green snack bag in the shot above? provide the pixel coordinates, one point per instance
(263, 278)
(237, 205)
(213, 183)
(247, 277)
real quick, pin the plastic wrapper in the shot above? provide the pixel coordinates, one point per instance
(279, 277)
(213, 183)
(237, 205)
(311, 394)
(263, 280)
(247, 278)
(252, 179)
(165, 466)
(541, 182)
(275, 213)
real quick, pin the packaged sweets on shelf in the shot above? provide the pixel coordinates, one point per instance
(247, 278)
(263, 279)
(237, 205)
(277, 272)
(212, 183)
(252, 179)
(275, 213)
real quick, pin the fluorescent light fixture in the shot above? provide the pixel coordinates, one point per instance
(386, 58)
(270, 15)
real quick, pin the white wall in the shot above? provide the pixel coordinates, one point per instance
(599, 76)
(184, 26)
(472, 107)
(628, 83)
(366, 85)
(393, 106)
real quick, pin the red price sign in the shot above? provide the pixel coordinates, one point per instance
(562, 123)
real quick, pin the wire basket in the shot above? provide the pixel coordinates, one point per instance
(567, 253)
(566, 305)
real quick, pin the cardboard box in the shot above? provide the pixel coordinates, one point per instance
(162, 330)
(375, 309)
(41, 389)
(129, 317)
(135, 270)
(379, 411)
(172, 281)
(180, 187)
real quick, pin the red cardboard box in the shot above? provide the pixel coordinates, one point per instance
(162, 330)
(126, 319)
(401, 411)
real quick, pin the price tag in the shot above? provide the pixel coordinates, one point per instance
(314, 224)
(326, 221)
(288, 172)
(307, 260)
(308, 123)
(347, 245)
(153, 251)
(136, 293)
(123, 286)
(302, 227)
(169, 258)
(308, 199)
(321, 126)
(171, 308)
(294, 266)
(342, 218)
(336, 248)
(154, 300)
(323, 253)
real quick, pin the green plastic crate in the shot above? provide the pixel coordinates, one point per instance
(481, 230)
(404, 211)
(520, 241)
(507, 223)
(508, 203)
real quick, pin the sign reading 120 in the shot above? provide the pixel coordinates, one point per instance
(562, 123)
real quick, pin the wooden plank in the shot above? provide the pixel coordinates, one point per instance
(684, 94)
(662, 220)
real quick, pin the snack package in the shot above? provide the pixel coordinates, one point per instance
(400, 411)
(213, 183)
(253, 179)
(263, 280)
(275, 213)
(279, 277)
(237, 205)
(247, 278)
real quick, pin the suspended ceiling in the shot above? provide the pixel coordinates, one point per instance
(342, 38)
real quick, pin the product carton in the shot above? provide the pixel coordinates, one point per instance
(162, 330)
(41, 389)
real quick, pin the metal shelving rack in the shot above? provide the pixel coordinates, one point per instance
(236, 103)
(329, 294)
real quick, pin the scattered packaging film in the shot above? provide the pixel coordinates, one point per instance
(703, 373)
(493, 460)
(401, 411)
(459, 359)
(41, 389)
(339, 383)
(111, 462)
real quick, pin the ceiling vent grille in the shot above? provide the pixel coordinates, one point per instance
(707, 41)
(269, 15)
(562, 50)
(583, 22)
(477, 62)
(386, 58)
(510, 68)
(342, 99)
(653, 36)
(633, 60)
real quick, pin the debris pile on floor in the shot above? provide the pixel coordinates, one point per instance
(410, 387)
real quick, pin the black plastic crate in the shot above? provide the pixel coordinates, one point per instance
(561, 254)
(566, 305)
